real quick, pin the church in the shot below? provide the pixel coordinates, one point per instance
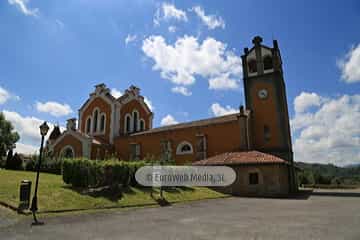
(255, 142)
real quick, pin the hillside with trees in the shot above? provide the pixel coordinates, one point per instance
(328, 174)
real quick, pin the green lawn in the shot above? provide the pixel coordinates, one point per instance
(55, 195)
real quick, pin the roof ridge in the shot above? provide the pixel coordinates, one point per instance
(199, 122)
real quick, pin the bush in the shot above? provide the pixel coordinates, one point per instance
(94, 173)
(30, 165)
(321, 179)
(305, 177)
(49, 165)
(14, 162)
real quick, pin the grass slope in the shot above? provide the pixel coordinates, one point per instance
(55, 195)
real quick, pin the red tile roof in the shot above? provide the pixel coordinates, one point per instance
(198, 123)
(241, 158)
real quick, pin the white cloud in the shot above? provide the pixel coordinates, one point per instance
(172, 29)
(169, 11)
(28, 129)
(149, 103)
(223, 82)
(26, 149)
(54, 108)
(187, 58)
(157, 17)
(306, 100)
(6, 95)
(182, 90)
(22, 6)
(331, 133)
(60, 23)
(350, 65)
(116, 93)
(168, 120)
(219, 110)
(130, 38)
(211, 21)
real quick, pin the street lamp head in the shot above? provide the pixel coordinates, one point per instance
(44, 128)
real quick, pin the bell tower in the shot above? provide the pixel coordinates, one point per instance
(265, 96)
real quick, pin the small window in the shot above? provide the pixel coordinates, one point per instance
(135, 119)
(127, 124)
(253, 178)
(166, 151)
(135, 151)
(184, 148)
(268, 64)
(267, 134)
(88, 125)
(142, 125)
(96, 113)
(102, 123)
(252, 66)
(201, 147)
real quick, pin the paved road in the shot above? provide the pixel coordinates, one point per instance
(7, 218)
(324, 215)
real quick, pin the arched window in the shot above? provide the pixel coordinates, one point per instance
(96, 113)
(268, 64)
(267, 134)
(88, 125)
(142, 125)
(102, 123)
(135, 120)
(184, 148)
(68, 152)
(127, 124)
(252, 66)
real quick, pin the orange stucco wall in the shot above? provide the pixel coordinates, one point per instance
(69, 140)
(129, 108)
(264, 114)
(224, 137)
(104, 107)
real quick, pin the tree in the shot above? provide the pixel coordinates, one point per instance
(305, 177)
(9, 158)
(16, 163)
(8, 137)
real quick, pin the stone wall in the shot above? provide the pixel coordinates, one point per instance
(273, 181)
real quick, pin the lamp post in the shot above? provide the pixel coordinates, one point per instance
(44, 128)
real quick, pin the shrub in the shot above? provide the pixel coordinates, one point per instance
(30, 165)
(14, 162)
(66, 171)
(321, 179)
(94, 173)
(49, 165)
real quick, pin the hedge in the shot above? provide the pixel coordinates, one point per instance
(95, 173)
(47, 164)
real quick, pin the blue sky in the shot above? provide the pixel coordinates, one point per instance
(54, 52)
